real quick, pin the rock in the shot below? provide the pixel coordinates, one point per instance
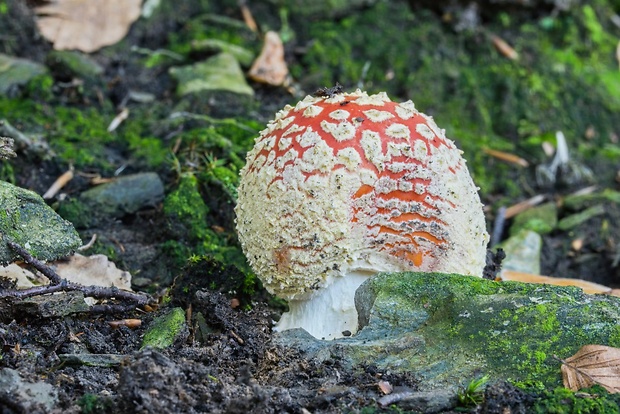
(243, 55)
(427, 402)
(523, 252)
(92, 360)
(219, 73)
(541, 219)
(66, 65)
(52, 306)
(26, 397)
(26, 220)
(125, 195)
(579, 202)
(448, 329)
(216, 87)
(15, 72)
(165, 330)
(577, 219)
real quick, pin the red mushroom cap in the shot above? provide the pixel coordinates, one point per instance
(356, 183)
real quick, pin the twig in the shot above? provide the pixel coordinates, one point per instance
(37, 264)
(57, 284)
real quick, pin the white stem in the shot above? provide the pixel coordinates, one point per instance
(329, 312)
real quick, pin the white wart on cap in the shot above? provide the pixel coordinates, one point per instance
(341, 187)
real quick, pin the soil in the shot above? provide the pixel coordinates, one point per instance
(233, 366)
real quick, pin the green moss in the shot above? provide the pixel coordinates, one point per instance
(190, 224)
(186, 207)
(565, 80)
(594, 400)
(513, 329)
(164, 329)
(93, 404)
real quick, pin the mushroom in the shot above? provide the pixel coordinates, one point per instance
(343, 186)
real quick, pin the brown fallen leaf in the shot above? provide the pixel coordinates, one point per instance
(507, 157)
(130, 323)
(593, 365)
(270, 67)
(587, 287)
(504, 48)
(59, 184)
(385, 387)
(524, 205)
(86, 25)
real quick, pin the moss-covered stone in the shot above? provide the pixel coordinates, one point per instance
(165, 329)
(446, 329)
(219, 73)
(26, 219)
(15, 72)
(541, 219)
(523, 252)
(66, 64)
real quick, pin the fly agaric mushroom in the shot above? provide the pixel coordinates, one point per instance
(346, 185)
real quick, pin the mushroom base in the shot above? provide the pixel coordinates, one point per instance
(329, 312)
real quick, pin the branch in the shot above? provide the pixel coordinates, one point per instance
(57, 284)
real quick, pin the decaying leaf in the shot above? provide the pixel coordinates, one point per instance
(86, 25)
(95, 270)
(504, 48)
(593, 365)
(586, 286)
(270, 66)
(507, 157)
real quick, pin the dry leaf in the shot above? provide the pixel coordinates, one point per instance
(96, 270)
(524, 205)
(130, 323)
(270, 66)
(504, 48)
(118, 119)
(385, 387)
(506, 156)
(58, 184)
(587, 287)
(247, 16)
(593, 364)
(86, 25)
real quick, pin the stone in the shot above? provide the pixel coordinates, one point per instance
(427, 402)
(541, 219)
(15, 72)
(26, 220)
(52, 306)
(523, 252)
(449, 329)
(26, 397)
(243, 55)
(220, 73)
(123, 196)
(93, 360)
(577, 219)
(67, 64)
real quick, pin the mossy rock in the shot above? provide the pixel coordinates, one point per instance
(447, 329)
(26, 220)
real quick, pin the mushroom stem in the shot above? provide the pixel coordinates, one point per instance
(329, 312)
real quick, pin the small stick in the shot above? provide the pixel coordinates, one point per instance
(57, 284)
(37, 264)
